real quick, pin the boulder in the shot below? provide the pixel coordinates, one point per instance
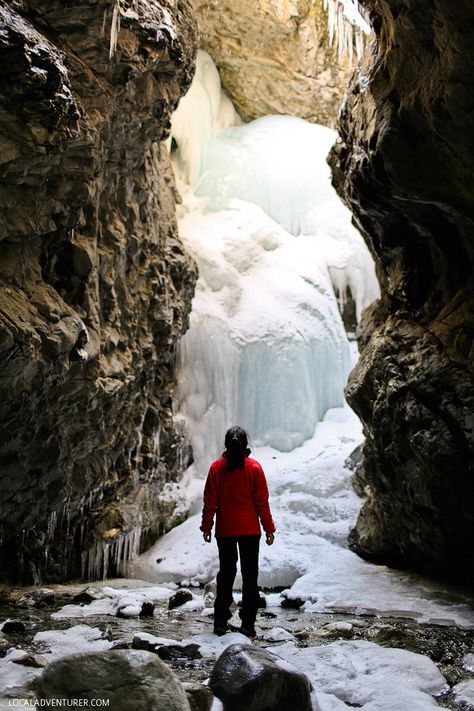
(199, 696)
(254, 679)
(41, 597)
(123, 678)
(12, 626)
(179, 598)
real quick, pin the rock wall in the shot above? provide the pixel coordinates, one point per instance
(95, 286)
(274, 58)
(404, 166)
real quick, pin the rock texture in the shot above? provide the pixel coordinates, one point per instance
(252, 678)
(115, 677)
(404, 166)
(95, 286)
(274, 58)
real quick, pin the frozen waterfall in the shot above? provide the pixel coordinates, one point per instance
(266, 346)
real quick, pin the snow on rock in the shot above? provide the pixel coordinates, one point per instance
(367, 676)
(468, 662)
(212, 646)
(113, 601)
(277, 634)
(80, 638)
(15, 677)
(464, 692)
(152, 641)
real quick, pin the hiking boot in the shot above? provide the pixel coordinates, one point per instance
(248, 631)
(220, 630)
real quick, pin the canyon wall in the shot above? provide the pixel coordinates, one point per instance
(274, 57)
(404, 167)
(95, 286)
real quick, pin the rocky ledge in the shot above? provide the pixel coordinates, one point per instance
(95, 286)
(404, 167)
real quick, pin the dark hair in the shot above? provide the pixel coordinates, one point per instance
(236, 448)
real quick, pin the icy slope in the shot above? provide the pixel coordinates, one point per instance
(266, 346)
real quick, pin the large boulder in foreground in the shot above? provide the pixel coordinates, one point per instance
(251, 678)
(125, 678)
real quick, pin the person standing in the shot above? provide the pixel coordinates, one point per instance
(236, 493)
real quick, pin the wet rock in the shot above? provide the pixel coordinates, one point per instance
(270, 615)
(31, 660)
(179, 598)
(174, 652)
(12, 626)
(148, 609)
(88, 595)
(335, 630)
(413, 386)
(36, 598)
(147, 642)
(251, 678)
(292, 603)
(117, 677)
(209, 593)
(199, 696)
(166, 648)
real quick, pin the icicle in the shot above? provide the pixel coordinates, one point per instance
(114, 29)
(347, 28)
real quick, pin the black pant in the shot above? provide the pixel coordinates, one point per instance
(248, 550)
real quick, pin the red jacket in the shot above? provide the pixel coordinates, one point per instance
(239, 497)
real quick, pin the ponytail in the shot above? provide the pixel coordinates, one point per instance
(236, 448)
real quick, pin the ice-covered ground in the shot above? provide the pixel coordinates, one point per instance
(314, 507)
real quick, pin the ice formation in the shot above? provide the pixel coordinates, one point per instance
(266, 346)
(347, 27)
(314, 507)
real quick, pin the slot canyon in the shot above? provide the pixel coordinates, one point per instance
(253, 213)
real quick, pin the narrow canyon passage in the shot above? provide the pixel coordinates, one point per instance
(176, 260)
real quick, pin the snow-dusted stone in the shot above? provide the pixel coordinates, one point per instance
(277, 634)
(468, 662)
(12, 626)
(88, 595)
(165, 648)
(254, 679)
(31, 660)
(293, 603)
(43, 597)
(79, 638)
(179, 598)
(121, 677)
(209, 593)
(464, 692)
(348, 674)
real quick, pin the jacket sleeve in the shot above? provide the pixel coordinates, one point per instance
(260, 497)
(210, 501)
